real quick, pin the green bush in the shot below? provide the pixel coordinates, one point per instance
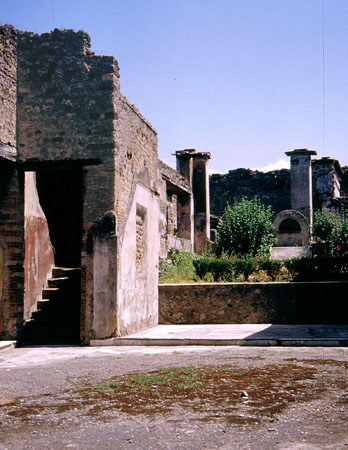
(220, 269)
(178, 268)
(271, 267)
(318, 268)
(244, 267)
(330, 233)
(225, 269)
(246, 229)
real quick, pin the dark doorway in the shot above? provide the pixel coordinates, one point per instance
(57, 318)
(60, 193)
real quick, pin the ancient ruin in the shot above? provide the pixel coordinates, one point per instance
(86, 207)
(293, 194)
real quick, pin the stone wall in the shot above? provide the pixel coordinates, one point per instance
(8, 74)
(278, 303)
(137, 206)
(273, 188)
(11, 195)
(176, 210)
(65, 114)
(12, 244)
(344, 182)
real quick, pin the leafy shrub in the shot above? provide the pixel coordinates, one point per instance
(246, 229)
(225, 269)
(330, 233)
(220, 269)
(318, 268)
(272, 267)
(244, 267)
(178, 269)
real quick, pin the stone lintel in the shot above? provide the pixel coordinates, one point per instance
(301, 151)
(192, 153)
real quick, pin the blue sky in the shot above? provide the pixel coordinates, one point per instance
(246, 80)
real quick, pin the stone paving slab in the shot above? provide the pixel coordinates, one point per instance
(236, 334)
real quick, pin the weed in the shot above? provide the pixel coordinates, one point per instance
(239, 373)
(107, 387)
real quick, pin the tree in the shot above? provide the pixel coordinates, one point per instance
(246, 229)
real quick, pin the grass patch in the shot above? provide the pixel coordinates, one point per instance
(214, 392)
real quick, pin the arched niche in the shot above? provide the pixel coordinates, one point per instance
(291, 229)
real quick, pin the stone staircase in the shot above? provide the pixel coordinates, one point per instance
(57, 319)
(282, 253)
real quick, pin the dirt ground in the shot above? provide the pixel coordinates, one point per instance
(147, 398)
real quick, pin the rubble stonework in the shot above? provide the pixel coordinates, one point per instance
(273, 188)
(11, 193)
(8, 75)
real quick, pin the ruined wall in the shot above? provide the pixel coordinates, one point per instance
(12, 244)
(65, 112)
(344, 182)
(11, 194)
(65, 109)
(135, 154)
(176, 210)
(138, 214)
(8, 73)
(273, 188)
(296, 303)
(39, 257)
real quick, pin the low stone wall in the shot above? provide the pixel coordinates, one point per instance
(278, 303)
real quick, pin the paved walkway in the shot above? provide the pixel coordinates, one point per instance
(243, 334)
(238, 334)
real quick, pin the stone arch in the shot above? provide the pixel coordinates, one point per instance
(291, 229)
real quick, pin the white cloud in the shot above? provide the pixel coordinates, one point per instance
(279, 164)
(213, 171)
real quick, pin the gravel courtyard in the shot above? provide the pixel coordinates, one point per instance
(192, 397)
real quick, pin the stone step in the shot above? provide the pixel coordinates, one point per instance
(58, 272)
(49, 293)
(57, 282)
(282, 253)
(57, 318)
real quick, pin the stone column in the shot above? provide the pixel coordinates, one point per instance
(301, 181)
(184, 165)
(194, 167)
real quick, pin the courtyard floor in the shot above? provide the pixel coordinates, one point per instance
(177, 397)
